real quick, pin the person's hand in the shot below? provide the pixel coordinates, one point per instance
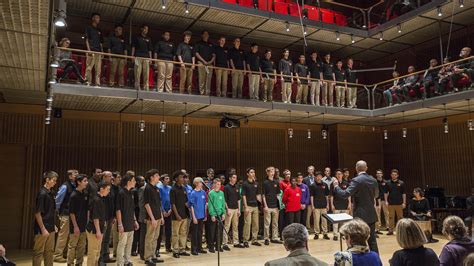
(222, 218)
(298, 81)
(265, 209)
(120, 229)
(154, 223)
(77, 231)
(335, 183)
(246, 211)
(274, 80)
(403, 205)
(136, 226)
(56, 229)
(327, 208)
(99, 236)
(183, 65)
(162, 221)
(213, 218)
(195, 221)
(386, 203)
(205, 219)
(44, 232)
(333, 207)
(238, 214)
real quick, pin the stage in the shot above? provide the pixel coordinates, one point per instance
(322, 249)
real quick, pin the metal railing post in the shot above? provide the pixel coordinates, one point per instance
(373, 96)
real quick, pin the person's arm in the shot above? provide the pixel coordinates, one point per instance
(213, 59)
(98, 233)
(427, 208)
(199, 56)
(173, 205)
(118, 213)
(232, 65)
(312, 201)
(285, 197)
(87, 40)
(264, 199)
(351, 190)
(77, 231)
(39, 220)
(385, 196)
(60, 196)
(404, 196)
(150, 214)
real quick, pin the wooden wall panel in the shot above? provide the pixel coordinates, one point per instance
(303, 152)
(21, 128)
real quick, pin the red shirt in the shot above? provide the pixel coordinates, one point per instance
(284, 185)
(292, 199)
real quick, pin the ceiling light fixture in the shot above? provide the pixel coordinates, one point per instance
(470, 123)
(352, 38)
(324, 132)
(440, 11)
(162, 123)
(404, 129)
(381, 36)
(461, 3)
(309, 130)
(445, 120)
(287, 26)
(290, 130)
(304, 30)
(399, 27)
(60, 18)
(163, 4)
(186, 7)
(338, 36)
(185, 124)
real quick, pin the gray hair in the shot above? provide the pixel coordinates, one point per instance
(361, 166)
(295, 236)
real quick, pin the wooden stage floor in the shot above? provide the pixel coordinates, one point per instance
(322, 249)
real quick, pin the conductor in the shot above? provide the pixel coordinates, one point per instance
(364, 190)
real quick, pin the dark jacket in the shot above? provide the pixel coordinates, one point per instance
(455, 251)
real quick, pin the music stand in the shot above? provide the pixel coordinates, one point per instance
(338, 218)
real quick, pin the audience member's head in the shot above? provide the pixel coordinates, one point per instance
(356, 232)
(361, 166)
(409, 234)
(454, 228)
(469, 260)
(295, 236)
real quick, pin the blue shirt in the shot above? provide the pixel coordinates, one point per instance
(189, 189)
(61, 194)
(165, 196)
(305, 197)
(366, 259)
(197, 200)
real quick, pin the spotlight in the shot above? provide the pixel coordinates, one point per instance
(47, 122)
(440, 11)
(324, 133)
(352, 38)
(49, 108)
(304, 30)
(404, 132)
(163, 4)
(309, 133)
(446, 125)
(162, 126)
(52, 80)
(364, 26)
(60, 21)
(287, 26)
(186, 7)
(48, 118)
(49, 99)
(338, 36)
(381, 36)
(54, 64)
(186, 128)
(399, 26)
(290, 133)
(385, 134)
(461, 3)
(470, 124)
(141, 125)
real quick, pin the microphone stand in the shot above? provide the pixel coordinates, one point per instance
(219, 224)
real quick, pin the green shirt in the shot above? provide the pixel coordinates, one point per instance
(216, 203)
(280, 200)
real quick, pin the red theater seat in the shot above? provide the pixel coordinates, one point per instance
(281, 8)
(463, 82)
(313, 13)
(246, 3)
(327, 16)
(266, 5)
(230, 1)
(295, 10)
(340, 19)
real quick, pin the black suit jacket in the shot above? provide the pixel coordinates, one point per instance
(363, 189)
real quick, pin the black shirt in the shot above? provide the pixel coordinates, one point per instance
(142, 46)
(165, 50)
(302, 71)
(186, 52)
(382, 189)
(285, 67)
(319, 191)
(395, 190)
(205, 50)
(419, 206)
(267, 66)
(327, 69)
(126, 205)
(232, 196)
(314, 69)
(340, 75)
(151, 196)
(221, 56)
(414, 257)
(253, 60)
(114, 191)
(179, 198)
(94, 37)
(339, 202)
(238, 57)
(116, 44)
(350, 75)
(78, 205)
(250, 191)
(109, 202)
(92, 189)
(46, 206)
(271, 189)
(96, 211)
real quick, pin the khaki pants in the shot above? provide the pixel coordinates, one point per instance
(76, 248)
(43, 249)
(302, 93)
(318, 217)
(93, 249)
(251, 220)
(270, 216)
(116, 65)
(340, 99)
(93, 61)
(384, 210)
(268, 85)
(185, 79)
(352, 97)
(335, 226)
(254, 84)
(179, 235)
(63, 236)
(205, 78)
(151, 239)
(314, 95)
(115, 239)
(142, 69)
(392, 211)
(286, 92)
(221, 82)
(237, 83)
(309, 212)
(165, 73)
(232, 217)
(327, 90)
(124, 248)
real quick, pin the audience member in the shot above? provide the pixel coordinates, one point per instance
(67, 63)
(459, 245)
(3, 257)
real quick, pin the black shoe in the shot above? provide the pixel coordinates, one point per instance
(169, 250)
(211, 250)
(157, 260)
(142, 258)
(202, 251)
(377, 236)
(325, 236)
(240, 245)
(433, 240)
(378, 232)
(276, 241)
(220, 249)
(226, 248)
(134, 254)
(109, 260)
(186, 254)
(390, 233)
(246, 244)
(316, 236)
(150, 263)
(176, 255)
(187, 248)
(194, 253)
(335, 238)
(256, 244)
(267, 242)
